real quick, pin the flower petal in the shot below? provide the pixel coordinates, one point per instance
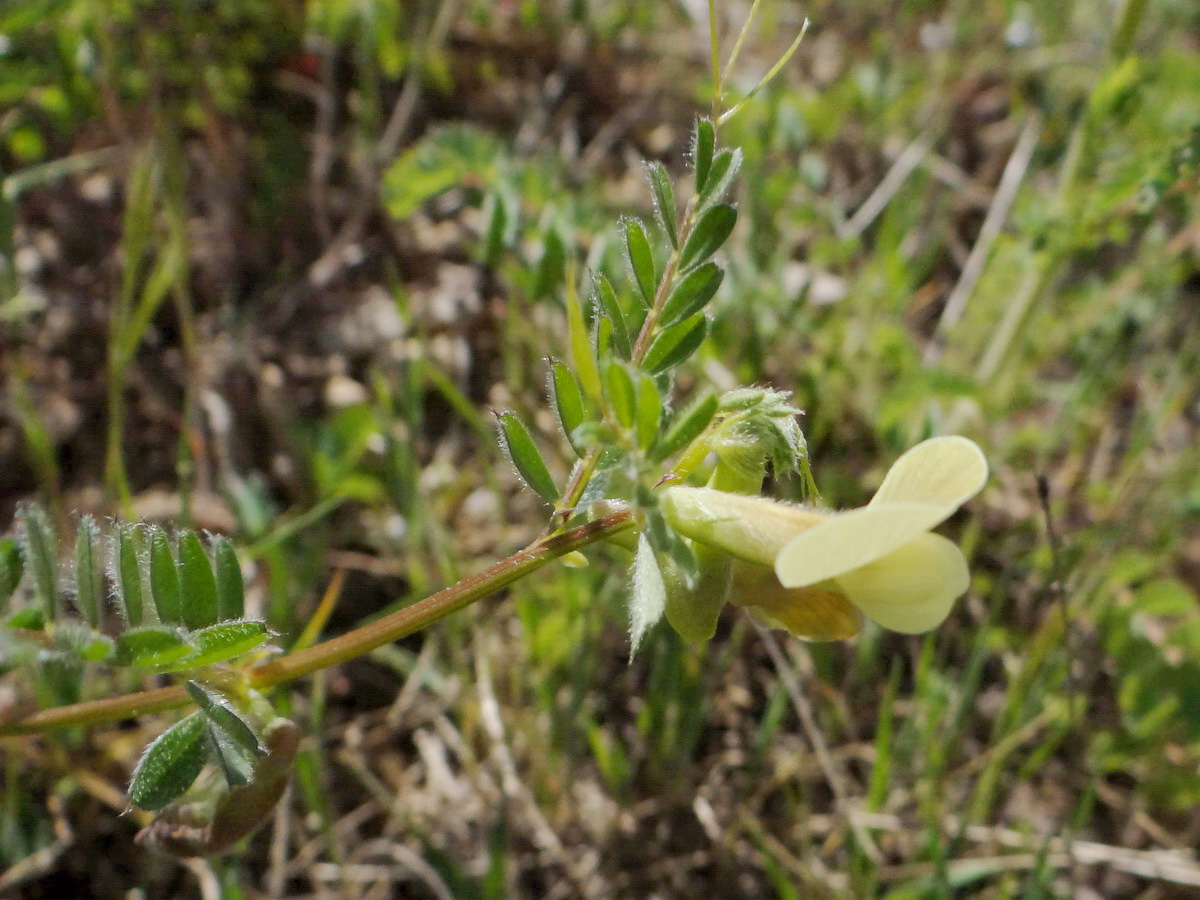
(852, 539)
(811, 613)
(749, 528)
(912, 589)
(946, 471)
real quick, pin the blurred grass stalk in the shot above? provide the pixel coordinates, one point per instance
(1044, 268)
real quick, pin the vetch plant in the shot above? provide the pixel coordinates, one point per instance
(177, 602)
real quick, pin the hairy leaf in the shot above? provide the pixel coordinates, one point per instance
(675, 344)
(711, 231)
(664, 200)
(170, 764)
(692, 293)
(231, 593)
(568, 402)
(641, 259)
(519, 445)
(197, 583)
(164, 579)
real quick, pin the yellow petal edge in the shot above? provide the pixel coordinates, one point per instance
(947, 471)
(912, 589)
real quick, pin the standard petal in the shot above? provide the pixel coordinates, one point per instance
(912, 589)
(846, 541)
(749, 528)
(811, 613)
(946, 471)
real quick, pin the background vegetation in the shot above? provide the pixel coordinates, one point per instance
(265, 268)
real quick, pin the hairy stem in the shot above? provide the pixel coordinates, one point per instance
(345, 647)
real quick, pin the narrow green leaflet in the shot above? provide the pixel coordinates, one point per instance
(164, 579)
(582, 354)
(606, 297)
(687, 425)
(703, 143)
(519, 445)
(197, 582)
(231, 741)
(223, 641)
(231, 592)
(235, 764)
(12, 565)
(641, 259)
(89, 570)
(711, 231)
(568, 401)
(41, 553)
(604, 337)
(649, 411)
(552, 266)
(620, 393)
(170, 764)
(497, 229)
(725, 167)
(675, 344)
(127, 573)
(664, 200)
(151, 647)
(692, 293)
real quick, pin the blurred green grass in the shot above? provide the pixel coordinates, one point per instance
(234, 246)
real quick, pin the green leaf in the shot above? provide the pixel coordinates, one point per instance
(151, 647)
(231, 593)
(607, 300)
(620, 393)
(664, 200)
(568, 401)
(675, 344)
(197, 583)
(435, 164)
(217, 708)
(12, 566)
(724, 170)
(41, 552)
(711, 231)
(127, 573)
(223, 641)
(525, 456)
(687, 425)
(170, 764)
(582, 354)
(31, 618)
(497, 229)
(235, 764)
(164, 579)
(649, 411)
(552, 266)
(692, 293)
(641, 259)
(89, 570)
(604, 337)
(703, 143)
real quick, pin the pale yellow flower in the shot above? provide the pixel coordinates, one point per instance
(813, 572)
